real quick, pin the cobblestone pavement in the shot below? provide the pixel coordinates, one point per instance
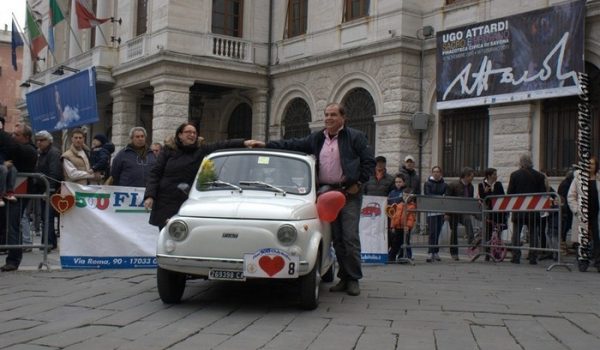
(447, 305)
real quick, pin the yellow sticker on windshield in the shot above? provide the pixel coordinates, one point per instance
(263, 160)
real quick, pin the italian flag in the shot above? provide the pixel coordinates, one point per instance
(37, 40)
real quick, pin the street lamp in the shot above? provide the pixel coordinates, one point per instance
(27, 83)
(420, 120)
(60, 70)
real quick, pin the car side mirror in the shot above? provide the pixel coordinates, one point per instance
(183, 187)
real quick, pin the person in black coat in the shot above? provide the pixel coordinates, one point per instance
(490, 186)
(100, 155)
(463, 187)
(50, 165)
(526, 180)
(25, 161)
(435, 186)
(178, 163)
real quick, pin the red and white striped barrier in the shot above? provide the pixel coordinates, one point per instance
(530, 202)
(21, 185)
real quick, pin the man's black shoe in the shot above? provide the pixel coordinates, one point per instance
(340, 287)
(8, 267)
(546, 256)
(515, 261)
(352, 288)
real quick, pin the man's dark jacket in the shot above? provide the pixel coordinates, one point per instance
(457, 189)
(356, 155)
(49, 164)
(412, 179)
(131, 169)
(25, 161)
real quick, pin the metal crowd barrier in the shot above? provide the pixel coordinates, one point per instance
(531, 218)
(11, 240)
(458, 208)
(494, 227)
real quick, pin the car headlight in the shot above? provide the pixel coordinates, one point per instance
(178, 230)
(287, 234)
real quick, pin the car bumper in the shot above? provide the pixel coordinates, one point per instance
(199, 266)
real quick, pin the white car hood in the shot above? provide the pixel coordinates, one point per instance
(248, 206)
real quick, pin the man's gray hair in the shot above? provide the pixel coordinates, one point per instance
(525, 161)
(44, 135)
(137, 128)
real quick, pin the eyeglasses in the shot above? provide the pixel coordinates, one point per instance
(41, 140)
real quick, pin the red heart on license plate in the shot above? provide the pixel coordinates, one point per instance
(271, 265)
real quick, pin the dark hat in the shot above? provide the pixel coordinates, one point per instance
(101, 138)
(380, 159)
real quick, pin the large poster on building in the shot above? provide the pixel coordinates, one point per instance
(64, 104)
(533, 55)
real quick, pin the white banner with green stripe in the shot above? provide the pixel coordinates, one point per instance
(105, 227)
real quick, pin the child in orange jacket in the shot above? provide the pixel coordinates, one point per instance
(403, 220)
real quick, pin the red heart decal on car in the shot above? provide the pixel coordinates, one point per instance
(61, 203)
(271, 265)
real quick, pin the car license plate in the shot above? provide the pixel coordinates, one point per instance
(271, 263)
(226, 275)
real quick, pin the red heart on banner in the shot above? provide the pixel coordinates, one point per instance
(271, 265)
(61, 203)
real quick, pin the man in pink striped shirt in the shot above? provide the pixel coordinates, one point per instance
(345, 160)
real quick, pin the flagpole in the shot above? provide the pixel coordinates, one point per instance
(24, 38)
(102, 33)
(72, 31)
(21, 30)
(41, 32)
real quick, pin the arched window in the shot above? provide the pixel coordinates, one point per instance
(360, 109)
(296, 119)
(240, 122)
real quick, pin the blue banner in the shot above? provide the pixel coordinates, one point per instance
(64, 104)
(108, 262)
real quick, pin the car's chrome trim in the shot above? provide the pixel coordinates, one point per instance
(200, 261)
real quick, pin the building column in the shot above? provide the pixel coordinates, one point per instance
(171, 105)
(511, 134)
(125, 104)
(259, 113)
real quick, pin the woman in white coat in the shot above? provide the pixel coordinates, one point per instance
(573, 199)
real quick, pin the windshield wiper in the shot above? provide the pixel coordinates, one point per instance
(263, 184)
(223, 183)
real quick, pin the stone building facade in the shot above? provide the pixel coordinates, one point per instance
(266, 70)
(9, 79)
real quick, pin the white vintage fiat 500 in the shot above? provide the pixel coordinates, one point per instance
(251, 213)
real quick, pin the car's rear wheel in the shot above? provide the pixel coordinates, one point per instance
(309, 287)
(170, 285)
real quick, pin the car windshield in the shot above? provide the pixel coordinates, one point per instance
(260, 172)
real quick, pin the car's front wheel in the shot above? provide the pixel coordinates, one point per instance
(170, 285)
(309, 287)
(329, 276)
